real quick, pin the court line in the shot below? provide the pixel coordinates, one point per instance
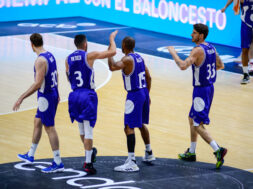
(109, 75)
(90, 30)
(248, 169)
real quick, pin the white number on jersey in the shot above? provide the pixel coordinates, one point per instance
(79, 78)
(211, 71)
(54, 79)
(141, 79)
(92, 84)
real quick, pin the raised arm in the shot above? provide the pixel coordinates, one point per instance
(226, 6)
(40, 67)
(111, 51)
(184, 64)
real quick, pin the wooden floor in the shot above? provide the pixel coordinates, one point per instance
(231, 122)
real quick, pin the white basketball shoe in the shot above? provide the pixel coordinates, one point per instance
(128, 166)
(148, 157)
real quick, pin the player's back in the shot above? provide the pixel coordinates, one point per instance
(50, 81)
(247, 12)
(81, 75)
(205, 74)
(136, 79)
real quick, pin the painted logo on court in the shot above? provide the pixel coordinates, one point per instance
(62, 25)
(75, 176)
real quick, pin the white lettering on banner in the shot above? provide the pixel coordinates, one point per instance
(146, 8)
(201, 15)
(67, 1)
(137, 6)
(22, 3)
(163, 6)
(120, 5)
(184, 13)
(64, 26)
(79, 175)
(185, 18)
(192, 14)
(103, 3)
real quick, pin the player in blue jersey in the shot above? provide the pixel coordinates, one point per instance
(137, 82)
(205, 62)
(83, 99)
(46, 85)
(246, 35)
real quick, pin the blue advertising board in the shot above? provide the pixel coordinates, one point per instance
(174, 17)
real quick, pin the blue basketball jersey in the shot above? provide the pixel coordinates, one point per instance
(50, 81)
(81, 75)
(205, 74)
(247, 12)
(135, 80)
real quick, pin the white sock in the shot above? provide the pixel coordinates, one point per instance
(131, 155)
(32, 149)
(148, 147)
(88, 154)
(57, 157)
(214, 145)
(245, 69)
(193, 147)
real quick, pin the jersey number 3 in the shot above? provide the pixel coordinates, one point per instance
(211, 71)
(80, 79)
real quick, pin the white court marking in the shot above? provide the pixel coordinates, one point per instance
(61, 52)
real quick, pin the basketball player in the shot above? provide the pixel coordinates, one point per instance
(246, 35)
(46, 83)
(83, 100)
(137, 82)
(205, 62)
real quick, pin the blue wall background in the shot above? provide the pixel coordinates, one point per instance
(173, 17)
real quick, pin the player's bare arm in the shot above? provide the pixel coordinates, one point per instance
(111, 51)
(219, 63)
(226, 6)
(67, 68)
(192, 59)
(148, 78)
(40, 67)
(125, 64)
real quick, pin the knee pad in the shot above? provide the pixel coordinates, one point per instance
(88, 130)
(81, 128)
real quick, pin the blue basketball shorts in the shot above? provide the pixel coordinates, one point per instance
(47, 106)
(137, 108)
(201, 103)
(246, 35)
(83, 106)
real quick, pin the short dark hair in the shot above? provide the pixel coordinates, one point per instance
(201, 29)
(79, 40)
(129, 43)
(36, 39)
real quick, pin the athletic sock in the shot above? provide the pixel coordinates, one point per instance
(214, 145)
(32, 149)
(193, 147)
(88, 154)
(57, 157)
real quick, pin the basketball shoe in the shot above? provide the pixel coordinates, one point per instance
(187, 156)
(26, 158)
(129, 166)
(219, 154)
